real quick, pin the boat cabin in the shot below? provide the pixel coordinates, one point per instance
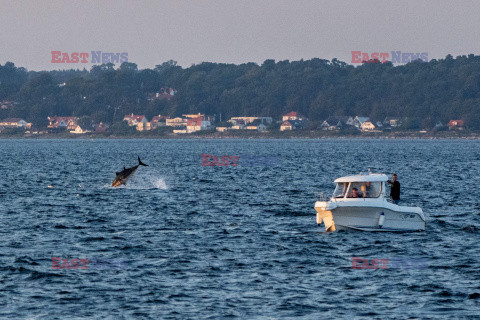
(360, 186)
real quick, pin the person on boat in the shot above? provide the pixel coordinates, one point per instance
(395, 189)
(366, 189)
(355, 193)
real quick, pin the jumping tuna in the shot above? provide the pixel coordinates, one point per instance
(123, 176)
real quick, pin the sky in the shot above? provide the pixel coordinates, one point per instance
(227, 31)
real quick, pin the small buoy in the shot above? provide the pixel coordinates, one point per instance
(381, 220)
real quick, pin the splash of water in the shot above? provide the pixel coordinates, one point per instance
(159, 183)
(146, 182)
(143, 183)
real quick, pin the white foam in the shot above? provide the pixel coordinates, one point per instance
(142, 182)
(146, 182)
(160, 184)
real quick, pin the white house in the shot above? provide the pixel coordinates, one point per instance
(13, 123)
(79, 130)
(359, 121)
(367, 126)
(331, 124)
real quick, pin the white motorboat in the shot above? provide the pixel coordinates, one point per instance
(359, 203)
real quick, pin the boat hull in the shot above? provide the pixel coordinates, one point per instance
(366, 218)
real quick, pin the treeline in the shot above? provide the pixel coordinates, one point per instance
(424, 92)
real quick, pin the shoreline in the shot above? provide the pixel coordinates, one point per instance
(312, 135)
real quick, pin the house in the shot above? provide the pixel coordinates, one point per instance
(291, 125)
(134, 120)
(197, 124)
(13, 123)
(176, 122)
(328, 125)
(256, 125)
(247, 120)
(332, 124)
(456, 125)
(286, 126)
(358, 121)
(66, 123)
(392, 122)
(293, 115)
(367, 126)
(79, 130)
(237, 124)
(144, 126)
(238, 121)
(158, 121)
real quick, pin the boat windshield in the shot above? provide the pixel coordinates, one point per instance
(340, 190)
(364, 190)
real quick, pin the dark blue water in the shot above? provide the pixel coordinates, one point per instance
(188, 241)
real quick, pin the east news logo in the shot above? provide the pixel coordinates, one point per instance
(98, 57)
(397, 57)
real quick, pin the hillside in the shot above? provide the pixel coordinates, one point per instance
(425, 92)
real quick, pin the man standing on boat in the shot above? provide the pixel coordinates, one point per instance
(395, 189)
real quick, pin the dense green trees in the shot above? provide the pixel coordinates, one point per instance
(426, 93)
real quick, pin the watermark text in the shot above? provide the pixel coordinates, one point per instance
(383, 57)
(95, 57)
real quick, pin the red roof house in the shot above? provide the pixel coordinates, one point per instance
(133, 120)
(293, 115)
(69, 123)
(455, 125)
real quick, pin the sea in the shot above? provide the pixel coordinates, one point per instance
(201, 235)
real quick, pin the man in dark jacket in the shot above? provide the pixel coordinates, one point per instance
(395, 189)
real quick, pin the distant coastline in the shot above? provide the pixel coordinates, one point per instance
(299, 134)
